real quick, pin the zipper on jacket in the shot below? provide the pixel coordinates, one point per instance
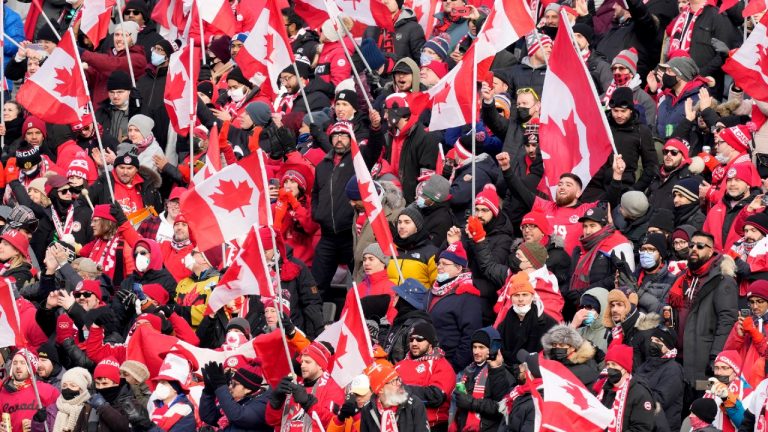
(333, 220)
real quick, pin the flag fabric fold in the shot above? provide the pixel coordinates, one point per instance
(748, 65)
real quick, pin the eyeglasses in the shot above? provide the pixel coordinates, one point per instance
(395, 382)
(133, 12)
(528, 90)
(87, 295)
(757, 301)
(670, 151)
(417, 339)
(701, 246)
(528, 227)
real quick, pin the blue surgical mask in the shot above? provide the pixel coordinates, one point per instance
(421, 202)
(442, 277)
(589, 319)
(157, 59)
(647, 260)
(425, 59)
(304, 138)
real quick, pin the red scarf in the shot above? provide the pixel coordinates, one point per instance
(388, 420)
(462, 284)
(619, 404)
(508, 401)
(686, 285)
(478, 392)
(590, 246)
(682, 30)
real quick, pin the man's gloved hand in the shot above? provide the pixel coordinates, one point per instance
(749, 327)
(283, 389)
(40, 415)
(463, 400)
(216, 376)
(100, 316)
(127, 298)
(347, 410)
(97, 401)
(117, 212)
(627, 280)
(720, 47)
(301, 396)
(288, 325)
(475, 229)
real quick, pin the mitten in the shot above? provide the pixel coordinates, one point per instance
(475, 229)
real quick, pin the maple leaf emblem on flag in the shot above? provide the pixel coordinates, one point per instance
(235, 269)
(64, 81)
(231, 196)
(762, 61)
(578, 398)
(270, 46)
(441, 97)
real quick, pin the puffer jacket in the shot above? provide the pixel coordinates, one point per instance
(653, 289)
(637, 328)
(417, 257)
(486, 172)
(406, 41)
(665, 379)
(526, 75)
(247, 414)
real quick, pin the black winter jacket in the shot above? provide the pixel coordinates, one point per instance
(640, 32)
(653, 290)
(438, 219)
(411, 416)
(407, 40)
(419, 152)
(665, 379)
(659, 191)
(523, 415)
(496, 387)
(150, 196)
(525, 334)
(306, 303)
(637, 328)
(247, 414)
(486, 172)
(151, 88)
(638, 407)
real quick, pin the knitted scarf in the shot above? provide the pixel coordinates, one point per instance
(508, 401)
(590, 245)
(620, 80)
(461, 284)
(619, 404)
(69, 411)
(686, 285)
(179, 245)
(145, 143)
(682, 30)
(388, 417)
(478, 392)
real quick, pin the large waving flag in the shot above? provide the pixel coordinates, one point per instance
(95, 17)
(179, 96)
(10, 324)
(364, 13)
(171, 17)
(56, 93)
(218, 13)
(574, 134)
(508, 21)
(748, 65)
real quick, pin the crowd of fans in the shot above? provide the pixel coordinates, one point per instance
(648, 282)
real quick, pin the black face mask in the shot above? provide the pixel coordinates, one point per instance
(654, 350)
(558, 354)
(723, 379)
(76, 189)
(69, 394)
(614, 376)
(682, 254)
(110, 393)
(668, 81)
(524, 114)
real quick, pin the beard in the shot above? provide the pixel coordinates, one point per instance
(393, 397)
(563, 200)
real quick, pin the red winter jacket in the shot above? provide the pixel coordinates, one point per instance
(29, 327)
(332, 65)
(174, 259)
(101, 66)
(715, 223)
(327, 394)
(21, 404)
(430, 377)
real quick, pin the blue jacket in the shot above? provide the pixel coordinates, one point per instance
(186, 423)
(14, 29)
(456, 318)
(247, 414)
(673, 112)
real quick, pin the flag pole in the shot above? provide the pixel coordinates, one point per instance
(2, 78)
(357, 49)
(397, 263)
(336, 22)
(301, 89)
(362, 315)
(93, 115)
(474, 126)
(192, 95)
(36, 3)
(10, 39)
(125, 44)
(202, 34)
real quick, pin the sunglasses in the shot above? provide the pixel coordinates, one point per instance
(670, 151)
(528, 90)
(417, 339)
(87, 295)
(133, 12)
(65, 191)
(701, 246)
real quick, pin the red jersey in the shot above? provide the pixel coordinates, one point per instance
(564, 220)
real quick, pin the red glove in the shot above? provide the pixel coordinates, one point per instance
(288, 198)
(749, 327)
(11, 171)
(65, 329)
(475, 229)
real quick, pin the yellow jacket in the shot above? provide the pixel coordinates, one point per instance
(194, 296)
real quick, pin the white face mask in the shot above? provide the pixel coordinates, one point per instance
(442, 277)
(521, 310)
(723, 159)
(236, 95)
(189, 262)
(162, 392)
(142, 262)
(72, 1)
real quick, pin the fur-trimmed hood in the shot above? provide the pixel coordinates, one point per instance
(151, 177)
(566, 335)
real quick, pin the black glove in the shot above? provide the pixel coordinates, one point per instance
(216, 377)
(40, 415)
(447, 171)
(627, 280)
(166, 310)
(301, 397)
(463, 401)
(347, 410)
(283, 389)
(117, 212)
(127, 298)
(100, 316)
(207, 387)
(290, 329)
(97, 401)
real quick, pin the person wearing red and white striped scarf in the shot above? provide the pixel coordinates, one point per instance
(632, 404)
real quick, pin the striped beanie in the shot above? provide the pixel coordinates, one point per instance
(628, 59)
(489, 198)
(534, 42)
(320, 353)
(440, 44)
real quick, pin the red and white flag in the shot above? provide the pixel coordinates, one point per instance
(508, 21)
(371, 200)
(212, 156)
(95, 16)
(218, 13)
(56, 93)
(248, 275)
(364, 13)
(574, 134)
(10, 324)
(349, 335)
(567, 405)
(225, 206)
(748, 65)
(267, 50)
(425, 11)
(171, 17)
(179, 96)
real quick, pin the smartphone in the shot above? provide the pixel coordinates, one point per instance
(745, 312)
(139, 292)
(461, 11)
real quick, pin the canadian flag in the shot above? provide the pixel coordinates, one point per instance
(248, 275)
(95, 18)
(371, 199)
(425, 11)
(748, 65)
(352, 341)
(218, 13)
(56, 93)
(573, 128)
(364, 13)
(567, 405)
(171, 17)
(508, 21)
(212, 156)
(10, 327)
(179, 96)
(229, 203)
(267, 50)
